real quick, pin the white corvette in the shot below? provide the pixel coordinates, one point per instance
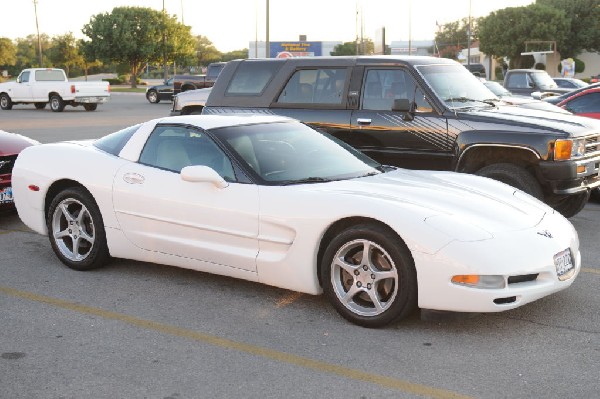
(271, 200)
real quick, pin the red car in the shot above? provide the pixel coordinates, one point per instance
(585, 103)
(11, 145)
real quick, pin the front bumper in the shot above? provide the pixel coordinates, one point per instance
(563, 178)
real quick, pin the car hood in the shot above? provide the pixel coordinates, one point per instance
(13, 143)
(535, 119)
(533, 104)
(479, 201)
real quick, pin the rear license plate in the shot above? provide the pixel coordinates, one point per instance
(6, 196)
(564, 264)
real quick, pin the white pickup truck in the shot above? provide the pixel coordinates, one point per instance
(40, 86)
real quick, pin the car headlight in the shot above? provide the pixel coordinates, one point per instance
(568, 148)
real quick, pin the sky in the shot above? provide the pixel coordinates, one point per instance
(232, 24)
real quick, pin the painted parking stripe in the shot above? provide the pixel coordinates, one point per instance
(386, 382)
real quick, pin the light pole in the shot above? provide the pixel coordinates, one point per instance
(267, 44)
(37, 26)
(469, 37)
(164, 43)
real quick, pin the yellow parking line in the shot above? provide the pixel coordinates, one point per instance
(386, 382)
(288, 299)
(588, 270)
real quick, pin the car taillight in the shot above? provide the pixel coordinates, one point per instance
(72, 89)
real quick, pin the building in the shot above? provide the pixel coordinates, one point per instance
(291, 49)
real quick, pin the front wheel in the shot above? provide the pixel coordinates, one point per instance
(369, 276)
(152, 97)
(513, 175)
(5, 102)
(76, 230)
(56, 103)
(573, 204)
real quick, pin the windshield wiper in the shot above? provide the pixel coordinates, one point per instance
(466, 99)
(312, 179)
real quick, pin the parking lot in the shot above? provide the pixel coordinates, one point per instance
(138, 330)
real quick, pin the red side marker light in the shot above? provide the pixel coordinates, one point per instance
(33, 187)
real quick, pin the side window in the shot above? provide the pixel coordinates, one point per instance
(315, 86)
(585, 104)
(175, 147)
(517, 81)
(251, 78)
(382, 86)
(25, 77)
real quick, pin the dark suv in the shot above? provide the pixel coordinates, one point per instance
(425, 113)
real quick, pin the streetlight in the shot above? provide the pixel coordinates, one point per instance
(164, 43)
(37, 26)
(267, 44)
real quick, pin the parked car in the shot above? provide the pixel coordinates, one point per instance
(557, 99)
(521, 101)
(422, 113)
(192, 82)
(585, 103)
(569, 83)
(40, 86)
(234, 195)
(190, 103)
(527, 81)
(11, 144)
(476, 69)
(595, 79)
(158, 93)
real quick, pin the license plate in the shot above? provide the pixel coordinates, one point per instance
(563, 264)
(6, 196)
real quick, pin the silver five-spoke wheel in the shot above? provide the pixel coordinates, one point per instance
(73, 230)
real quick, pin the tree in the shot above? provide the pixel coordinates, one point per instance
(27, 56)
(8, 52)
(134, 35)
(65, 52)
(349, 48)
(584, 16)
(235, 55)
(454, 36)
(206, 52)
(504, 32)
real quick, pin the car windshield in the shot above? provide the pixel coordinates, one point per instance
(293, 153)
(497, 89)
(456, 86)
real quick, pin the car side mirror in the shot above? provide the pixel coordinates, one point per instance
(406, 107)
(202, 174)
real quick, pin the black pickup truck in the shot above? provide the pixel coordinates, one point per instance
(422, 113)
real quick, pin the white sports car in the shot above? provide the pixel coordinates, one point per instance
(271, 200)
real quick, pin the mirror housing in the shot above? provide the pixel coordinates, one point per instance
(406, 107)
(202, 174)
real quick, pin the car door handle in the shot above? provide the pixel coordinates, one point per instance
(364, 121)
(133, 178)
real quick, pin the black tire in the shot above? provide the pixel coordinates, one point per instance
(572, 204)
(90, 107)
(389, 276)
(76, 230)
(56, 103)
(39, 105)
(515, 176)
(152, 96)
(595, 195)
(5, 102)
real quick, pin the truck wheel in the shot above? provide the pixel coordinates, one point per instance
(572, 204)
(515, 176)
(40, 105)
(56, 103)
(5, 102)
(152, 97)
(90, 107)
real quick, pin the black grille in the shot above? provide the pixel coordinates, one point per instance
(521, 279)
(6, 164)
(592, 145)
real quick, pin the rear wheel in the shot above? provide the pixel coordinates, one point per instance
(515, 176)
(76, 230)
(90, 107)
(56, 103)
(40, 105)
(369, 276)
(5, 102)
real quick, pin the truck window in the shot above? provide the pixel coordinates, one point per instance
(383, 86)
(24, 78)
(251, 78)
(315, 86)
(49, 75)
(517, 81)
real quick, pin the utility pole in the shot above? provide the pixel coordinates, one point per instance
(469, 37)
(164, 43)
(267, 44)
(37, 26)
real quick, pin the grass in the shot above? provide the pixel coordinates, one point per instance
(127, 89)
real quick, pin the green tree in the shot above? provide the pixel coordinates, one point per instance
(350, 48)
(8, 52)
(235, 55)
(454, 36)
(136, 36)
(27, 56)
(504, 32)
(584, 16)
(65, 52)
(206, 52)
